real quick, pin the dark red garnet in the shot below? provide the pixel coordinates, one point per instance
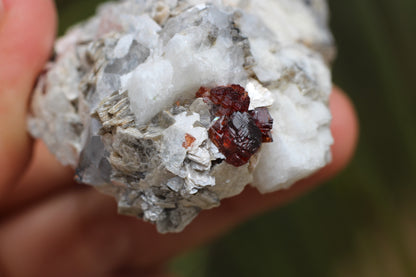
(236, 131)
(264, 121)
(226, 100)
(238, 139)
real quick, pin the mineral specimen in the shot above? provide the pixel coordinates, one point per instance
(172, 105)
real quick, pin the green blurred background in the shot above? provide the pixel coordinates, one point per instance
(363, 222)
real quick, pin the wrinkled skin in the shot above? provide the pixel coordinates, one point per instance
(50, 226)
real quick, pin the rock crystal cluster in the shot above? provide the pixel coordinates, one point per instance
(172, 105)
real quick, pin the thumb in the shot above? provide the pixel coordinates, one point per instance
(27, 30)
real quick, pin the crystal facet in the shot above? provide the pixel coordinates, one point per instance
(264, 121)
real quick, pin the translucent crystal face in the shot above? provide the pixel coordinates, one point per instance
(236, 131)
(264, 121)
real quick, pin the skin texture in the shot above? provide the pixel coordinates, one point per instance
(50, 226)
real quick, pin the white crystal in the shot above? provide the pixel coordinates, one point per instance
(259, 95)
(150, 86)
(123, 46)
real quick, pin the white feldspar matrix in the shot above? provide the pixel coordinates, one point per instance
(171, 106)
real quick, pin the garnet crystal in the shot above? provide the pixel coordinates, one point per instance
(264, 121)
(236, 131)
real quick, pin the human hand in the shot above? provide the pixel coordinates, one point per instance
(50, 226)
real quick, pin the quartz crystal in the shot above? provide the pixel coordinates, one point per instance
(172, 105)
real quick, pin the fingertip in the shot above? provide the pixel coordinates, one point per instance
(345, 130)
(27, 30)
(26, 34)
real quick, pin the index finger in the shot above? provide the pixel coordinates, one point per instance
(27, 30)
